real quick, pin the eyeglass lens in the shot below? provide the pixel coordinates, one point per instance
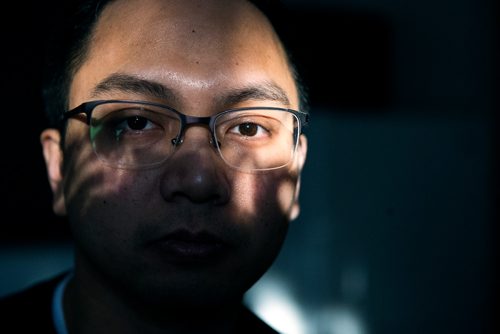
(135, 135)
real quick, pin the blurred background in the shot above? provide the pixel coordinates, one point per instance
(398, 227)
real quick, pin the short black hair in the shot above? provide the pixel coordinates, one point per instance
(69, 39)
(66, 48)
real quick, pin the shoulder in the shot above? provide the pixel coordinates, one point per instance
(30, 308)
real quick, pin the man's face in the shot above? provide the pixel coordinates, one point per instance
(192, 229)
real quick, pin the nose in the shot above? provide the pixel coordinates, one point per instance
(195, 172)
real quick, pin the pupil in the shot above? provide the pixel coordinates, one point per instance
(136, 123)
(248, 129)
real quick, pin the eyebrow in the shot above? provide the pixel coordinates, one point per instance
(268, 91)
(119, 82)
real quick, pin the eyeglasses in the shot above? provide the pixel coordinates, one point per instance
(138, 134)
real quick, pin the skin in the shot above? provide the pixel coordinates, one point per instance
(123, 282)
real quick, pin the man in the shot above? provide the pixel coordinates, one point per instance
(174, 217)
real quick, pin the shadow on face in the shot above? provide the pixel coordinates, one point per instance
(125, 221)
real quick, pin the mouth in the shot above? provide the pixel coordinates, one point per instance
(183, 246)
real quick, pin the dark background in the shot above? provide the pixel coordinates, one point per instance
(398, 230)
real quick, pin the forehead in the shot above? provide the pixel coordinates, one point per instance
(190, 43)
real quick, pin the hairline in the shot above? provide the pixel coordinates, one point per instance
(80, 50)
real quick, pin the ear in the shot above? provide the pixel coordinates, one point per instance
(52, 153)
(300, 161)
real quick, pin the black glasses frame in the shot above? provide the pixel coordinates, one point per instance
(186, 120)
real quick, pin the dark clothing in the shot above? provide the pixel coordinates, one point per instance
(30, 311)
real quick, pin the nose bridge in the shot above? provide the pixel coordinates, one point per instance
(196, 147)
(196, 129)
(196, 135)
(196, 138)
(199, 158)
(195, 170)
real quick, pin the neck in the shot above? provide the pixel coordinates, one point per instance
(86, 312)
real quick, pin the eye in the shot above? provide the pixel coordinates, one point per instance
(248, 129)
(136, 123)
(133, 126)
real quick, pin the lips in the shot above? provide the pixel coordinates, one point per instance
(187, 247)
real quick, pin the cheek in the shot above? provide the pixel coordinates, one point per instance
(94, 191)
(106, 214)
(276, 193)
(263, 202)
(272, 192)
(107, 194)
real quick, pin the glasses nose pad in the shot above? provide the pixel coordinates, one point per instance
(215, 143)
(177, 141)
